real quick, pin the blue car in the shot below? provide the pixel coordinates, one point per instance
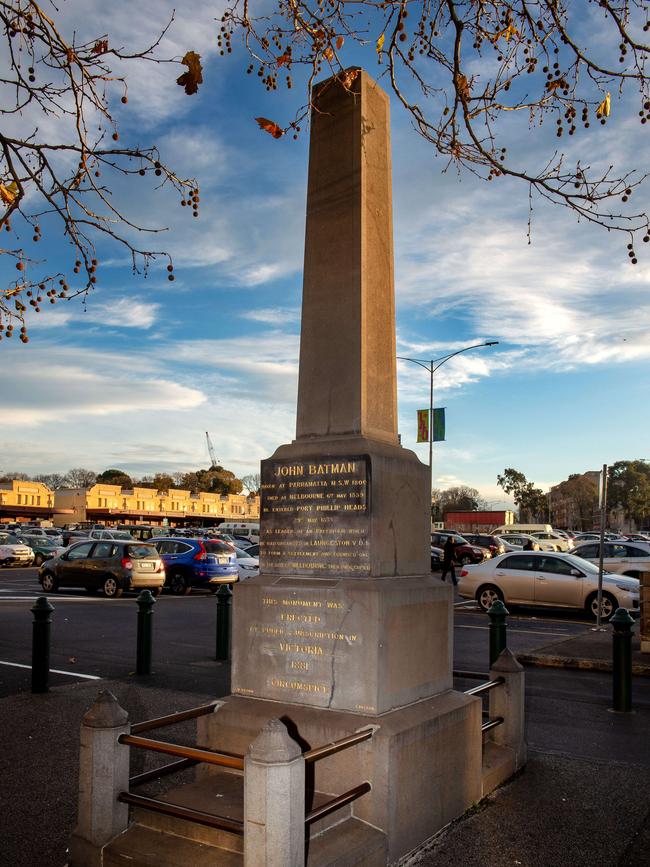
(196, 563)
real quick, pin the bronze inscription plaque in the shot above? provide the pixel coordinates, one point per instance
(315, 517)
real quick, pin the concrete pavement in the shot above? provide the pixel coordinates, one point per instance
(563, 809)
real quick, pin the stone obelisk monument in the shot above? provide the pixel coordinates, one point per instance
(345, 627)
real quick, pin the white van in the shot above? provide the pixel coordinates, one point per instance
(245, 529)
(522, 528)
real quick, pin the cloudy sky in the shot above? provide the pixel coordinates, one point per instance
(134, 377)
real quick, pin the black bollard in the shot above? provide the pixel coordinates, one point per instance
(622, 660)
(41, 644)
(498, 629)
(146, 603)
(224, 601)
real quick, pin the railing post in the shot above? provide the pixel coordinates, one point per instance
(224, 603)
(41, 630)
(622, 660)
(274, 800)
(498, 629)
(507, 701)
(146, 603)
(103, 774)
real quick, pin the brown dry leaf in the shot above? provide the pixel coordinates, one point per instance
(339, 43)
(270, 127)
(349, 77)
(191, 79)
(9, 192)
(284, 59)
(604, 107)
(101, 46)
(328, 54)
(462, 86)
(72, 659)
(380, 43)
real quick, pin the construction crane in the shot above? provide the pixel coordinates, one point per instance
(213, 457)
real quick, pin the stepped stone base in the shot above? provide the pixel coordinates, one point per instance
(423, 762)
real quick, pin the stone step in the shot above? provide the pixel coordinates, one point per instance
(351, 843)
(144, 847)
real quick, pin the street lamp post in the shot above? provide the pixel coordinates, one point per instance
(429, 365)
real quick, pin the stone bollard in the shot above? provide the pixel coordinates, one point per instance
(507, 701)
(103, 774)
(41, 630)
(274, 800)
(498, 629)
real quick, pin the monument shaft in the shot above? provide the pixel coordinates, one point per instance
(347, 381)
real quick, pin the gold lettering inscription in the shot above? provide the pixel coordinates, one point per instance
(311, 649)
(298, 685)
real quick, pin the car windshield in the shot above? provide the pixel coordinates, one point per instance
(6, 539)
(120, 534)
(214, 547)
(42, 543)
(242, 555)
(140, 552)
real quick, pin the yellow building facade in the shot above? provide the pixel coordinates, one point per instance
(111, 504)
(22, 501)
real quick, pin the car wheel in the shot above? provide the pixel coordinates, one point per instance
(487, 595)
(607, 608)
(111, 589)
(49, 583)
(38, 560)
(179, 585)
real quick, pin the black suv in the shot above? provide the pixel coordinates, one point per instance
(486, 541)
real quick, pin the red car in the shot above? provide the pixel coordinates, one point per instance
(464, 552)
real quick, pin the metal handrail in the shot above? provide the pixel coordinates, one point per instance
(210, 757)
(172, 718)
(485, 687)
(492, 724)
(337, 746)
(339, 801)
(234, 826)
(470, 675)
(157, 773)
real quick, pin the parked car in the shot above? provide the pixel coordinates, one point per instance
(70, 536)
(43, 548)
(253, 550)
(247, 565)
(539, 578)
(109, 565)
(521, 540)
(110, 534)
(436, 558)
(624, 558)
(484, 540)
(13, 552)
(463, 551)
(559, 542)
(143, 532)
(197, 563)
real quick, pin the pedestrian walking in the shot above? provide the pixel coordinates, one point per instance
(449, 551)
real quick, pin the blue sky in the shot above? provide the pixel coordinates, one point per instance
(134, 377)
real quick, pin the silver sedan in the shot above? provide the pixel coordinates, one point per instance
(540, 578)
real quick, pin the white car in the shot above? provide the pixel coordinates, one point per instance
(13, 552)
(520, 540)
(248, 566)
(624, 558)
(539, 578)
(122, 535)
(559, 542)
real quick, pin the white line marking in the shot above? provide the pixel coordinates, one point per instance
(515, 631)
(54, 671)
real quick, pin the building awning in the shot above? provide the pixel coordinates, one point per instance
(133, 514)
(9, 510)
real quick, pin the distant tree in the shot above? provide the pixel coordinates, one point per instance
(628, 486)
(577, 497)
(216, 480)
(162, 482)
(54, 481)
(532, 501)
(115, 477)
(460, 498)
(10, 476)
(252, 483)
(178, 479)
(80, 478)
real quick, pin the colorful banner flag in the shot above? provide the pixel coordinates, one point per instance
(439, 425)
(423, 426)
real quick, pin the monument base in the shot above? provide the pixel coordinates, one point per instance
(423, 761)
